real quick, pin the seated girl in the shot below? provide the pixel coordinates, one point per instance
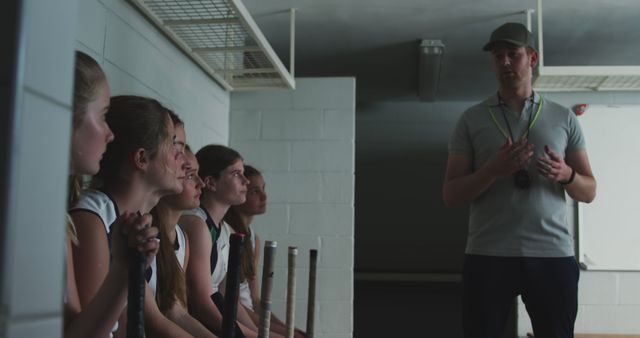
(240, 217)
(221, 169)
(141, 165)
(95, 317)
(173, 258)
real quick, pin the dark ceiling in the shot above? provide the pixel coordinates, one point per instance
(377, 40)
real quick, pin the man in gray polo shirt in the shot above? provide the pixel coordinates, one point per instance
(512, 157)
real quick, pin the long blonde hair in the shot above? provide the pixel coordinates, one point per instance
(232, 217)
(88, 77)
(136, 122)
(171, 281)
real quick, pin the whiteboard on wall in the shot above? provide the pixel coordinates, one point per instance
(609, 227)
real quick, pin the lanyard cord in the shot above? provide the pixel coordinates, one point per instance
(532, 121)
(504, 116)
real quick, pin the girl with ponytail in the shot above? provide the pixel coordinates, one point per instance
(141, 165)
(222, 172)
(173, 257)
(95, 317)
(240, 218)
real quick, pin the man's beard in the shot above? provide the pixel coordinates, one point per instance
(510, 79)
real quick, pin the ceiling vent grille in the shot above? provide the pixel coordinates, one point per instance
(221, 37)
(581, 78)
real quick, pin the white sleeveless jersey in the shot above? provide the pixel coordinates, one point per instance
(103, 206)
(223, 257)
(222, 246)
(181, 246)
(244, 290)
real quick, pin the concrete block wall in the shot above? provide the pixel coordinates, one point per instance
(303, 142)
(609, 303)
(139, 60)
(33, 245)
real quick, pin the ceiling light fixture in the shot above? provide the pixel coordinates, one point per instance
(429, 59)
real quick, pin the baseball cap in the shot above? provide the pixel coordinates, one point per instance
(511, 32)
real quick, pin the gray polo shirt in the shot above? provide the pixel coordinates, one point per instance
(505, 220)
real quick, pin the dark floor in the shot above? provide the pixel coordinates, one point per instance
(407, 309)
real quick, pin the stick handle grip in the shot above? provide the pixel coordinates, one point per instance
(135, 298)
(230, 313)
(311, 303)
(267, 286)
(291, 292)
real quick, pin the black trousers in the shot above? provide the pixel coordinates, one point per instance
(548, 286)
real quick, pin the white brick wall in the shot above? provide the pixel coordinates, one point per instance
(33, 242)
(303, 142)
(139, 60)
(629, 284)
(609, 302)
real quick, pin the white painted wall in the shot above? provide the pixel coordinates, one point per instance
(34, 247)
(140, 60)
(609, 301)
(303, 142)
